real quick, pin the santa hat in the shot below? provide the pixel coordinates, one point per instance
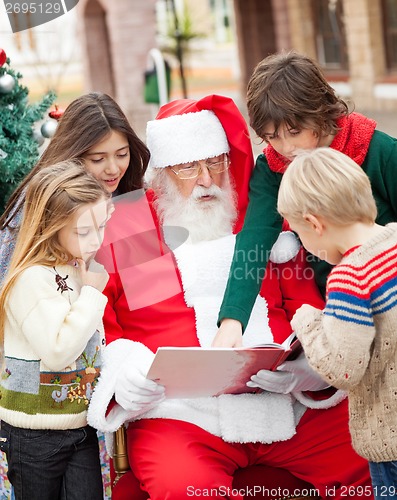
(184, 138)
(186, 130)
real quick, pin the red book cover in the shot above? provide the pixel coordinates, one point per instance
(193, 372)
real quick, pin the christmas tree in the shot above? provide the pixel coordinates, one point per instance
(19, 142)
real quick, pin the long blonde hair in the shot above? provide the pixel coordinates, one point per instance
(53, 196)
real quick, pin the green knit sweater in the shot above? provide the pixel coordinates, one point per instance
(263, 224)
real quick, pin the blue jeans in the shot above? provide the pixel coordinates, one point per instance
(53, 465)
(384, 479)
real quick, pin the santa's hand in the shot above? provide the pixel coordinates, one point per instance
(134, 392)
(291, 376)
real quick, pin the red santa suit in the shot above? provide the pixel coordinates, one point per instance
(184, 448)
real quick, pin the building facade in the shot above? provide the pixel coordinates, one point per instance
(355, 41)
(117, 37)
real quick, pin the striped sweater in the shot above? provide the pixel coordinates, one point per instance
(352, 343)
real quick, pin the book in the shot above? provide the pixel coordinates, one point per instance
(192, 372)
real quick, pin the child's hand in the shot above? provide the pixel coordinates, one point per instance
(230, 334)
(302, 316)
(93, 274)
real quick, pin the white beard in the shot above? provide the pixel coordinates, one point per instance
(204, 220)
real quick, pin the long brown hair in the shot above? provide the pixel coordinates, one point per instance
(53, 196)
(86, 121)
(290, 88)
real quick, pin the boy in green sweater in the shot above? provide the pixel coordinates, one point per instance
(292, 107)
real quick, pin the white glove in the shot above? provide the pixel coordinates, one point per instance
(134, 392)
(291, 376)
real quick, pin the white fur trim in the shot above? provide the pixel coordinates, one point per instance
(270, 415)
(116, 356)
(236, 418)
(286, 247)
(184, 138)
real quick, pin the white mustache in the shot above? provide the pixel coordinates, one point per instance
(200, 191)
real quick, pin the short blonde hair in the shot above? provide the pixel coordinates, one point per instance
(327, 183)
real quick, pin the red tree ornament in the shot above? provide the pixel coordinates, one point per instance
(3, 57)
(56, 113)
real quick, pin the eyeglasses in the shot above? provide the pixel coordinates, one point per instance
(193, 169)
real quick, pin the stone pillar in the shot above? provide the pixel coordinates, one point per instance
(281, 25)
(255, 34)
(301, 27)
(117, 37)
(132, 27)
(365, 48)
(97, 61)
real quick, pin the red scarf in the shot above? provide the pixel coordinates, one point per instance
(355, 134)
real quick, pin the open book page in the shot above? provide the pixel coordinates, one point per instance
(285, 345)
(192, 372)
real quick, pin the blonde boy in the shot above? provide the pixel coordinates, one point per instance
(327, 199)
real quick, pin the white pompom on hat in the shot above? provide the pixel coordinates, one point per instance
(183, 138)
(286, 247)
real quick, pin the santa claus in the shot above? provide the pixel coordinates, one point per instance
(169, 252)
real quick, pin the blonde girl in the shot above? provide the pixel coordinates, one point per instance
(51, 308)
